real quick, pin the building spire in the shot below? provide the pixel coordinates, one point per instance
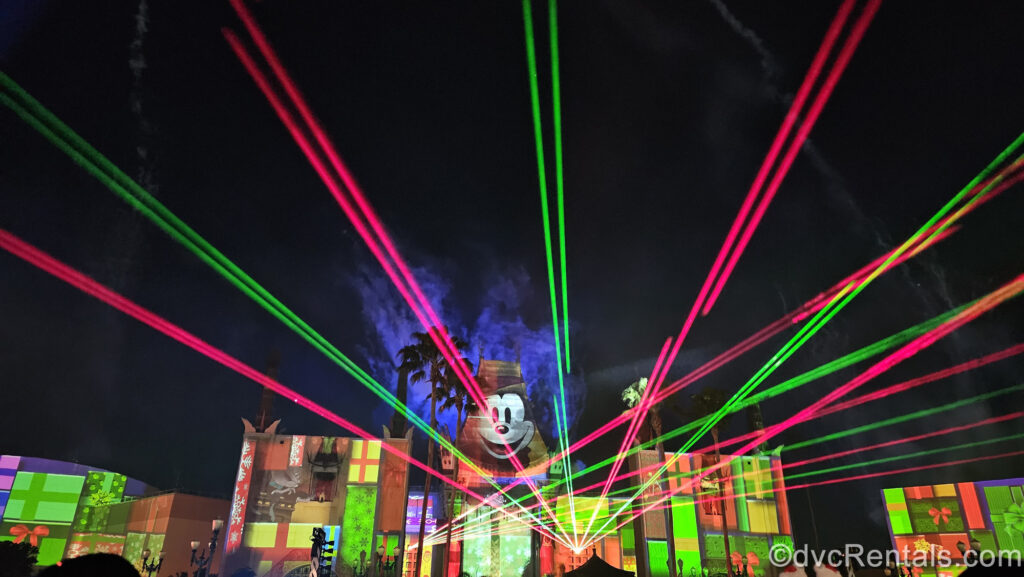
(265, 417)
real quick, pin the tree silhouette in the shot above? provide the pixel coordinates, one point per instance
(704, 404)
(425, 362)
(17, 559)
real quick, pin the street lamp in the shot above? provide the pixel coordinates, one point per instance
(201, 562)
(396, 555)
(380, 559)
(150, 567)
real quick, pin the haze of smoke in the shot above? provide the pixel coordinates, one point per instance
(498, 332)
(137, 64)
(769, 67)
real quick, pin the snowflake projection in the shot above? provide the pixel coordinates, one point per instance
(244, 469)
(238, 503)
(515, 553)
(295, 455)
(238, 510)
(358, 522)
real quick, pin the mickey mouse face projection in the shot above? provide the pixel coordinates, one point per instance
(505, 424)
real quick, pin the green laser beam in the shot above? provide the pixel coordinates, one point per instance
(563, 442)
(531, 60)
(556, 99)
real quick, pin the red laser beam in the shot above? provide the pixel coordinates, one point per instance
(440, 337)
(831, 35)
(327, 146)
(634, 425)
(845, 54)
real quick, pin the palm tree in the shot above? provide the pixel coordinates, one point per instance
(706, 403)
(398, 420)
(424, 361)
(457, 397)
(652, 429)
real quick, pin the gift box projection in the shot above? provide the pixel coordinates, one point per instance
(287, 485)
(50, 503)
(934, 518)
(68, 510)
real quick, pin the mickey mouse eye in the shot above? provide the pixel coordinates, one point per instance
(508, 415)
(494, 414)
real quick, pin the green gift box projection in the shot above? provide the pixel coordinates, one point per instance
(49, 537)
(101, 489)
(1007, 507)
(43, 497)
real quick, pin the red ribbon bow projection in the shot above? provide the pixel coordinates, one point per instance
(752, 561)
(936, 513)
(22, 531)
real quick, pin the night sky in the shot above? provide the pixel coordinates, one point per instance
(668, 110)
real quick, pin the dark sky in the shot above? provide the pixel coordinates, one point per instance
(667, 111)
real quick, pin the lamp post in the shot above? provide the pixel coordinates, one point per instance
(380, 553)
(386, 563)
(200, 564)
(150, 567)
